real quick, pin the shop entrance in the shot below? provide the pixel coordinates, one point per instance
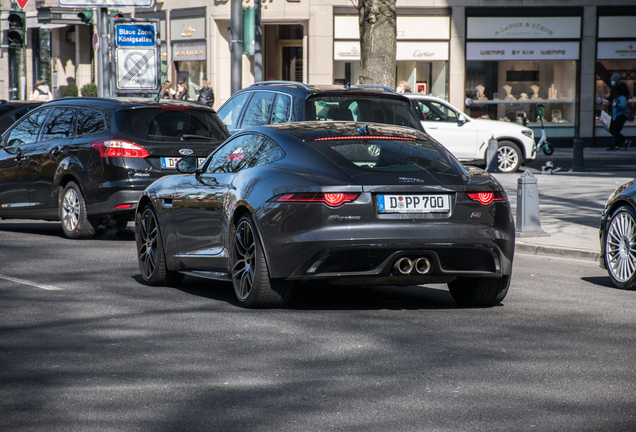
(283, 52)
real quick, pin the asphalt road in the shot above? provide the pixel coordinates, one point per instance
(84, 346)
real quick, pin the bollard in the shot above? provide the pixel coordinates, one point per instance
(528, 220)
(578, 165)
(492, 163)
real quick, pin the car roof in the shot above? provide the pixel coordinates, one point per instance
(308, 90)
(311, 130)
(126, 102)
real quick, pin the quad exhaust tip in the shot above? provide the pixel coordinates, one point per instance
(405, 265)
(422, 265)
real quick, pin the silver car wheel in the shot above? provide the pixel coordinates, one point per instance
(620, 247)
(508, 159)
(71, 210)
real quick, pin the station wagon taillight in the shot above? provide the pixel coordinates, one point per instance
(119, 148)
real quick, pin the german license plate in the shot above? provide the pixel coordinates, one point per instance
(171, 162)
(413, 203)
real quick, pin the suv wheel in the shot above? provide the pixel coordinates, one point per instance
(509, 157)
(75, 223)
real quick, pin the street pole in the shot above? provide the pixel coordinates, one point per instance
(236, 27)
(258, 37)
(104, 51)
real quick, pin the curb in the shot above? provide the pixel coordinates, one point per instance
(530, 249)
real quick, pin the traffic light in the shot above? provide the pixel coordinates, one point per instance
(86, 16)
(114, 13)
(17, 28)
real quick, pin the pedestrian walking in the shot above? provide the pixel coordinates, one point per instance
(182, 91)
(42, 92)
(619, 94)
(167, 92)
(206, 94)
(403, 87)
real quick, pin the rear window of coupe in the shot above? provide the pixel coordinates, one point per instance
(171, 124)
(398, 156)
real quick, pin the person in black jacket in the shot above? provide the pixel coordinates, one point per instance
(206, 94)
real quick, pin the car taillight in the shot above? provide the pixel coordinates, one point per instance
(119, 148)
(331, 199)
(485, 198)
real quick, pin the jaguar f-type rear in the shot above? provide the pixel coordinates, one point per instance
(349, 203)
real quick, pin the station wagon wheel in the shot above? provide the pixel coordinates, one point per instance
(479, 292)
(150, 250)
(250, 275)
(509, 157)
(72, 208)
(620, 248)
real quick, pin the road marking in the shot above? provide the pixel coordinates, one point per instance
(26, 282)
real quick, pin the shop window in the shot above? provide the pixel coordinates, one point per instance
(511, 91)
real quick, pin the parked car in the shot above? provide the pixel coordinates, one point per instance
(349, 203)
(617, 236)
(11, 111)
(85, 161)
(272, 102)
(467, 138)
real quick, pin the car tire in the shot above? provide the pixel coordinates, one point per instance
(479, 292)
(509, 157)
(72, 212)
(250, 275)
(150, 250)
(620, 254)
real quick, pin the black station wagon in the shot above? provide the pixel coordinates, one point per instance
(272, 102)
(85, 161)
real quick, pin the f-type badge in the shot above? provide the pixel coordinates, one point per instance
(186, 152)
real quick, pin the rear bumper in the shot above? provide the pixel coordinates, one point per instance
(126, 199)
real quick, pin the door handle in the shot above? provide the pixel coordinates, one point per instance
(18, 155)
(55, 151)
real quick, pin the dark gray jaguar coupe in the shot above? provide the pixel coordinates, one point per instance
(344, 202)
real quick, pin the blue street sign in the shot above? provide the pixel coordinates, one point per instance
(135, 35)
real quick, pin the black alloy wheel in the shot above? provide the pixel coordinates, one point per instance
(620, 248)
(150, 252)
(250, 275)
(73, 216)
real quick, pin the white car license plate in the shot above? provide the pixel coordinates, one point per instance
(171, 162)
(413, 203)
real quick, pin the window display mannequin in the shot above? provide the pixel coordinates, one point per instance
(480, 92)
(535, 92)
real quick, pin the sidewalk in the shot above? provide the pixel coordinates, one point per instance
(570, 203)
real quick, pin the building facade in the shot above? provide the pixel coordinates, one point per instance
(498, 59)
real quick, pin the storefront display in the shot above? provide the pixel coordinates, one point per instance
(507, 80)
(423, 64)
(189, 48)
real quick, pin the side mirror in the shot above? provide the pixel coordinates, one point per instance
(188, 165)
(462, 119)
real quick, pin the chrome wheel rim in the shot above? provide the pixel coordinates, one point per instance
(507, 158)
(147, 243)
(71, 210)
(620, 247)
(244, 255)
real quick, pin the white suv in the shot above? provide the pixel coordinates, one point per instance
(467, 138)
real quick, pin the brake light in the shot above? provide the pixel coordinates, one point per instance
(364, 137)
(331, 199)
(173, 108)
(119, 148)
(485, 198)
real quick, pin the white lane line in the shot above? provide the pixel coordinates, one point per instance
(26, 282)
